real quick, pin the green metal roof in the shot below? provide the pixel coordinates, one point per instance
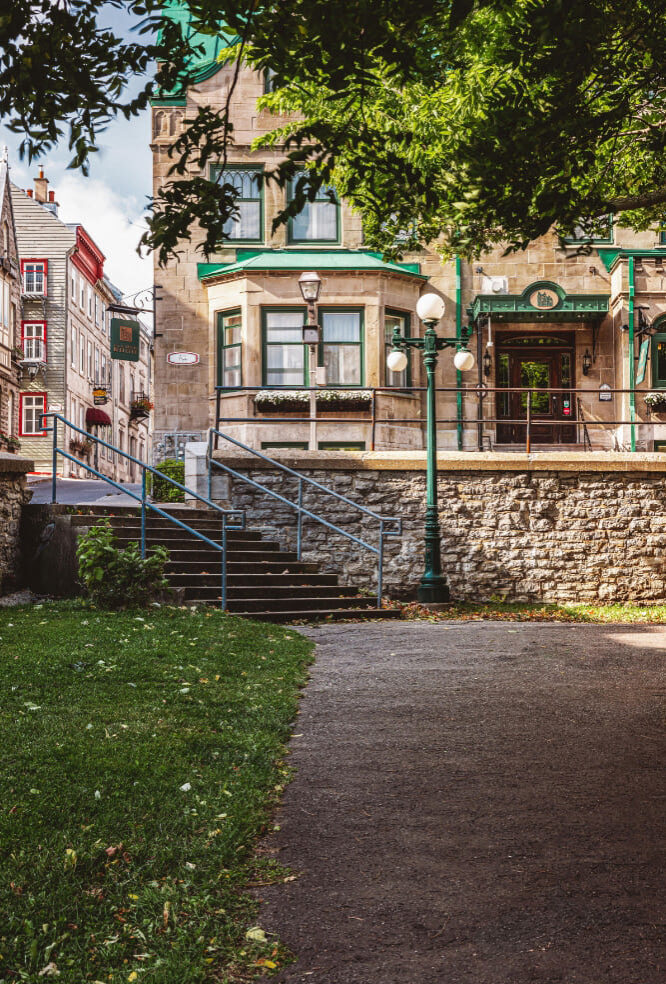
(610, 256)
(288, 259)
(202, 65)
(541, 301)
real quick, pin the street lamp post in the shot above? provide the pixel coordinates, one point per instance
(310, 286)
(433, 588)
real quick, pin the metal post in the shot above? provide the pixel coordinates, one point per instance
(433, 588)
(143, 512)
(313, 398)
(528, 432)
(299, 527)
(54, 461)
(380, 564)
(459, 399)
(210, 463)
(632, 367)
(224, 563)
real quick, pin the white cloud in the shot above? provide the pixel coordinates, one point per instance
(114, 222)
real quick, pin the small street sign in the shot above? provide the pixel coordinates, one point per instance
(183, 358)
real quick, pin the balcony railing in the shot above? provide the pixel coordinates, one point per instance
(477, 414)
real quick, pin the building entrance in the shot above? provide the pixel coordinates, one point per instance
(539, 363)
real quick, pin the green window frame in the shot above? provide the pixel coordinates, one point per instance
(248, 225)
(403, 321)
(341, 445)
(606, 240)
(658, 360)
(268, 80)
(662, 233)
(319, 222)
(229, 349)
(342, 347)
(284, 357)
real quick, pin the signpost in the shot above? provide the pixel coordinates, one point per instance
(125, 340)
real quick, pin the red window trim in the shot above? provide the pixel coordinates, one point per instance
(44, 396)
(36, 259)
(28, 321)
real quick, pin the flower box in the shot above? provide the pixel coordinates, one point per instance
(7, 443)
(328, 401)
(80, 448)
(655, 402)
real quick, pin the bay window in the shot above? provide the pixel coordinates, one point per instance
(229, 348)
(246, 226)
(342, 346)
(285, 362)
(392, 320)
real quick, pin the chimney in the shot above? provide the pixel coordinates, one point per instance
(52, 204)
(40, 186)
(29, 192)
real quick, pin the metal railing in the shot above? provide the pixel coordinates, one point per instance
(232, 519)
(214, 434)
(473, 397)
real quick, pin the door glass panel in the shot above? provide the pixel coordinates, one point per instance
(536, 375)
(566, 370)
(503, 380)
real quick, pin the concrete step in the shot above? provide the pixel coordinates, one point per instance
(319, 615)
(261, 603)
(183, 573)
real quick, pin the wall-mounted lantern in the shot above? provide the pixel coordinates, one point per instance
(587, 362)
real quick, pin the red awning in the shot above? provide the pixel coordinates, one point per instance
(97, 418)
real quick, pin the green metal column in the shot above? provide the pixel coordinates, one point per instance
(632, 367)
(433, 588)
(459, 403)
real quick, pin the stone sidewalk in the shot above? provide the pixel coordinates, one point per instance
(476, 803)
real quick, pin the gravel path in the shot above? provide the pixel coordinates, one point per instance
(476, 803)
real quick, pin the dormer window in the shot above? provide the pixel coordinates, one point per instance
(33, 275)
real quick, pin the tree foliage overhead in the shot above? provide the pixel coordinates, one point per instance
(467, 122)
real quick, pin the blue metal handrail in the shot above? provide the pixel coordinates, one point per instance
(232, 519)
(300, 508)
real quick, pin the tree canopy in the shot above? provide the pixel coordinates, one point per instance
(466, 122)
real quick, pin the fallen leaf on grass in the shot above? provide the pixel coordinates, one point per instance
(256, 934)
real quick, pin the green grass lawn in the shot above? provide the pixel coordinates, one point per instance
(519, 611)
(141, 754)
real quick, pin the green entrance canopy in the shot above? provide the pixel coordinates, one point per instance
(542, 301)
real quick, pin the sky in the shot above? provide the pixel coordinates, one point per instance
(112, 201)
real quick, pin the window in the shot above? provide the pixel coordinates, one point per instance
(247, 225)
(73, 344)
(98, 310)
(5, 293)
(285, 361)
(90, 301)
(82, 360)
(82, 294)
(341, 445)
(342, 347)
(97, 376)
(33, 274)
(104, 378)
(121, 384)
(33, 340)
(285, 445)
(392, 320)
(229, 348)
(73, 286)
(662, 242)
(5, 239)
(269, 80)
(32, 405)
(91, 365)
(659, 360)
(601, 234)
(319, 221)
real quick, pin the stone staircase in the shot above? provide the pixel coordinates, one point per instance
(263, 581)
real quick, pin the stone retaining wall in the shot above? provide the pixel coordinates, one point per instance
(585, 528)
(14, 494)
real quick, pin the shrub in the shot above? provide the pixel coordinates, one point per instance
(163, 491)
(117, 578)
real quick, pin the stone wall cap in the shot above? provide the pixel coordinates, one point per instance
(567, 461)
(12, 463)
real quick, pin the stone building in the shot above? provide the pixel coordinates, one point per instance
(572, 328)
(10, 316)
(65, 337)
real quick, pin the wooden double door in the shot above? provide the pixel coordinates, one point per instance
(540, 364)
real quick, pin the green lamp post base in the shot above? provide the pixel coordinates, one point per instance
(433, 591)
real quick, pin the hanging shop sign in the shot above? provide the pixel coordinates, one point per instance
(100, 396)
(183, 358)
(605, 395)
(124, 340)
(642, 361)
